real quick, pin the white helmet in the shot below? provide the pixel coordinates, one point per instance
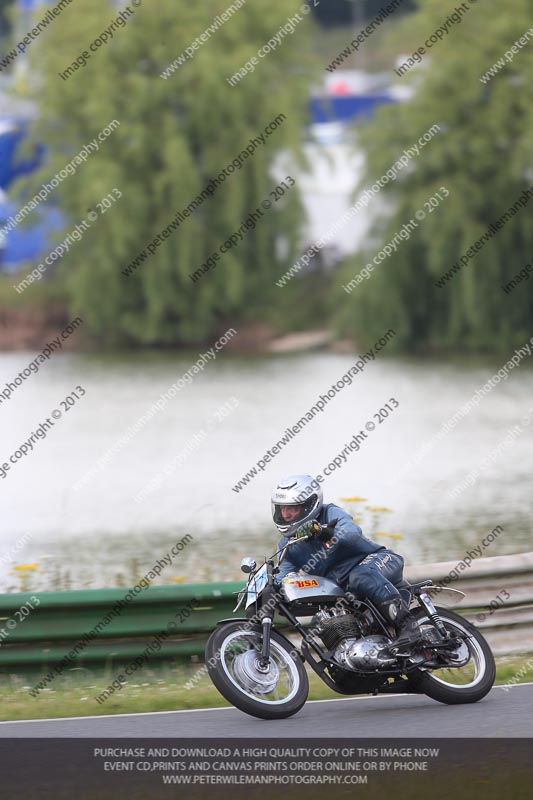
(296, 490)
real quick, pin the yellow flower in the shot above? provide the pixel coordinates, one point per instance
(24, 567)
(356, 519)
(378, 508)
(179, 579)
(352, 499)
(392, 535)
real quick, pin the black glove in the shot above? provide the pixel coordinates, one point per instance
(324, 533)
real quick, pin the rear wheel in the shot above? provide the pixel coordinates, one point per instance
(232, 656)
(467, 681)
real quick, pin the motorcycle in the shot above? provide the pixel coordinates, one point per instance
(349, 644)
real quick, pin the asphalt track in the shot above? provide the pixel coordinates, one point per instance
(502, 713)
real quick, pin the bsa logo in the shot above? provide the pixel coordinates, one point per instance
(305, 584)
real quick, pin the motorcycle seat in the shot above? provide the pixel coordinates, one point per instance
(406, 588)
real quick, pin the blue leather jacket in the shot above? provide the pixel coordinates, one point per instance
(334, 559)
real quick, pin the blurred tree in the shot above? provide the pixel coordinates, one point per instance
(5, 22)
(484, 157)
(373, 7)
(175, 135)
(334, 12)
(345, 12)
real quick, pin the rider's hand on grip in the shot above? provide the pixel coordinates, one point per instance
(324, 532)
(305, 530)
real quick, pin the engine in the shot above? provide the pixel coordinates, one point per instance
(347, 634)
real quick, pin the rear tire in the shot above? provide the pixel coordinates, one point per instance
(481, 657)
(231, 664)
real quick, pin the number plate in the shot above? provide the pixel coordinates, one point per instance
(256, 585)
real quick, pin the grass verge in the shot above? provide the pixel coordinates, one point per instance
(155, 689)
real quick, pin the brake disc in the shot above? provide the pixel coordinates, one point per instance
(443, 654)
(458, 656)
(246, 669)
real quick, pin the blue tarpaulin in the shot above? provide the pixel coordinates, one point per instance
(22, 242)
(11, 164)
(26, 243)
(346, 107)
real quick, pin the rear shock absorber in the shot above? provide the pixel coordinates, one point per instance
(433, 614)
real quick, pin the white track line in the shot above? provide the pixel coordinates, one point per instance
(224, 708)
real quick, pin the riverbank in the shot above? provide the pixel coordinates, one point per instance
(29, 320)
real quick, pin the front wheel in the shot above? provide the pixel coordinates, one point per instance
(474, 675)
(232, 657)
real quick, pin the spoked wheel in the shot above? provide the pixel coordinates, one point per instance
(470, 672)
(232, 656)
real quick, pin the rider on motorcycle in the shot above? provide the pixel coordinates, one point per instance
(341, 552)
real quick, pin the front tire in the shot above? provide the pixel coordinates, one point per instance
(462, 684)
(231, 657)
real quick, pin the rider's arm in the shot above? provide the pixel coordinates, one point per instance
(346, 530)
(287, 565)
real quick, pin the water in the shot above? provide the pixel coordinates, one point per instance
(97, 535)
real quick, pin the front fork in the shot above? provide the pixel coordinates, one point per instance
(264, 661)
(266, 622)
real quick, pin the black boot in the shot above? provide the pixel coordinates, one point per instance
(396, 611)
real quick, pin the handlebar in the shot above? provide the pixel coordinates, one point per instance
(279, 554)
(302, 538)
(317, 528)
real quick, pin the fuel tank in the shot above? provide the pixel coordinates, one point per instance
(310, 590)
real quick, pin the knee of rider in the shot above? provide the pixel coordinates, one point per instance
(355, 580)
(384, 594)
(362, 584)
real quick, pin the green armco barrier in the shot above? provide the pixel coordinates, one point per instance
(60, 620)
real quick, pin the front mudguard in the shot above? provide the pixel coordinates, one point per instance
(259, 628)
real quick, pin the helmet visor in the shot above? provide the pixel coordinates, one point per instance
(291, 519)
